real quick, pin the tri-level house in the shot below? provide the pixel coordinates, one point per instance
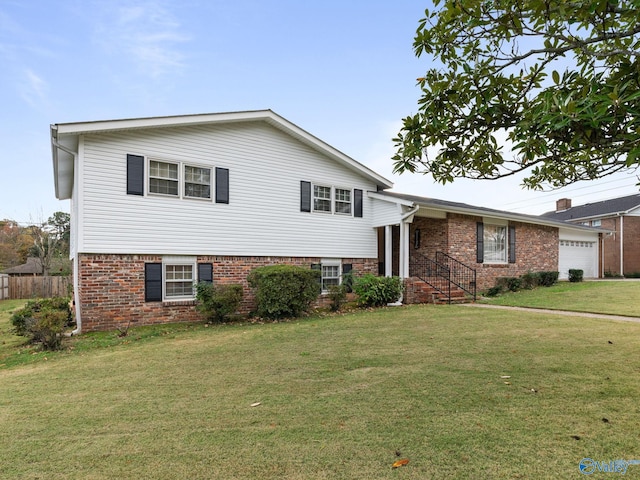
(160, 203)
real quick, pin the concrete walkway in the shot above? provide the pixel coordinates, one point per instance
(556, 312)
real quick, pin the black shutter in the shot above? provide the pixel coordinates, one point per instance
(153, 282)
(305, 196)
(512, 244)
(222, 185)
(347, 278)
(205, 273)
(479, 242)
(135, 175)
(318, 268)
(357, 203)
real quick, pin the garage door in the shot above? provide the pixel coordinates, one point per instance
(578, 254)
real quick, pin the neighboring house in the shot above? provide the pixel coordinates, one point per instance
(32, 268)
(160, 203)
(621, 216)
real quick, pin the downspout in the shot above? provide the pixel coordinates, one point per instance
(404, 251)
(76, 295)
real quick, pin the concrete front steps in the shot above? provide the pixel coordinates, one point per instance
(419, 291)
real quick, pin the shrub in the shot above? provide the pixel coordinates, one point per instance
(217, 302)
(512, 284)
(548, 278)
(338, 296)
(530, 280)
(43, 321)
(284, 290)
(575, 275)
(373, 291)
(632, 275)
(494, 291)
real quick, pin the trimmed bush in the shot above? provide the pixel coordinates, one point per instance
(494, 291)
(43, 321)
(373, 291)
(530, 280)
(217, 302)
(513, 284)
(575, 275)
(548, 278)
(338, 296)
(284, 290)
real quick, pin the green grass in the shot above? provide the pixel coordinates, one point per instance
(339, 395)
(608, 297)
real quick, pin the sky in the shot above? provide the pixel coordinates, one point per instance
(343, 70)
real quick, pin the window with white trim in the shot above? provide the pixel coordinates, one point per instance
(163, 178)
(321, 198)
(179, 276)
(330, 276)
(495, 243)
(343, 201)
(197, 182)
(596, 223)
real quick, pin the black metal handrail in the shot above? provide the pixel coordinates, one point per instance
(431, 272)
(461, 275)
(443, 272)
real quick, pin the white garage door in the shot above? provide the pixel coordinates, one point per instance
(578, 254)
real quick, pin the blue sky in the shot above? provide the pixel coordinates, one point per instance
(342, 70)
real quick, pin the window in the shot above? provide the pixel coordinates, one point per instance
(495, 243)
(174, 278)
(321, 199)
(178, 281)
(163, 178)
(330, 276)
(197, 182)
(596, 223)
(343, 201)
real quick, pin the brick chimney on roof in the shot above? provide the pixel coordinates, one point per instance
(563, 204)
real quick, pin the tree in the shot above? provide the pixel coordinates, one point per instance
(51, 239)
(14, 244)
(560, 80)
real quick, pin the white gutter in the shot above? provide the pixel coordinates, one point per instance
(76, 295)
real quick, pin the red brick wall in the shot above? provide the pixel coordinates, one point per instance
(631, 245)
(536, 246)
(611, 247)
(112, 287)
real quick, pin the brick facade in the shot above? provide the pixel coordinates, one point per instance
(536, 246)
(631, 245)
(112, 287)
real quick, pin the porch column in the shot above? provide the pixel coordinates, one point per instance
(388, 251)
(404, 249)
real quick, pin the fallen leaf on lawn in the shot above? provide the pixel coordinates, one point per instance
(507, 383)
(505, 376)
(400, 463)
(255, 404)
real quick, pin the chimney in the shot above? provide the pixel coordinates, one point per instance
(563, 204)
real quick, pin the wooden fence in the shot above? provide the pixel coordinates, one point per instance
(38, 287)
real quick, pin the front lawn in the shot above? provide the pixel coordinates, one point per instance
(459, 392)
(611, 297)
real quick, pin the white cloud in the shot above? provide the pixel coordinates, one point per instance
(34, 89)
(147, 33)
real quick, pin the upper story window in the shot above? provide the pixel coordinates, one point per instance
(331, 200)
(343, 201)
(321, 199)
(163, 178)
(197, 182)
(596, 223)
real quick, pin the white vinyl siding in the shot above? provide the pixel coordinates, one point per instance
(262, 218)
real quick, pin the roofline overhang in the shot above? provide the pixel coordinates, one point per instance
(487, 213)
